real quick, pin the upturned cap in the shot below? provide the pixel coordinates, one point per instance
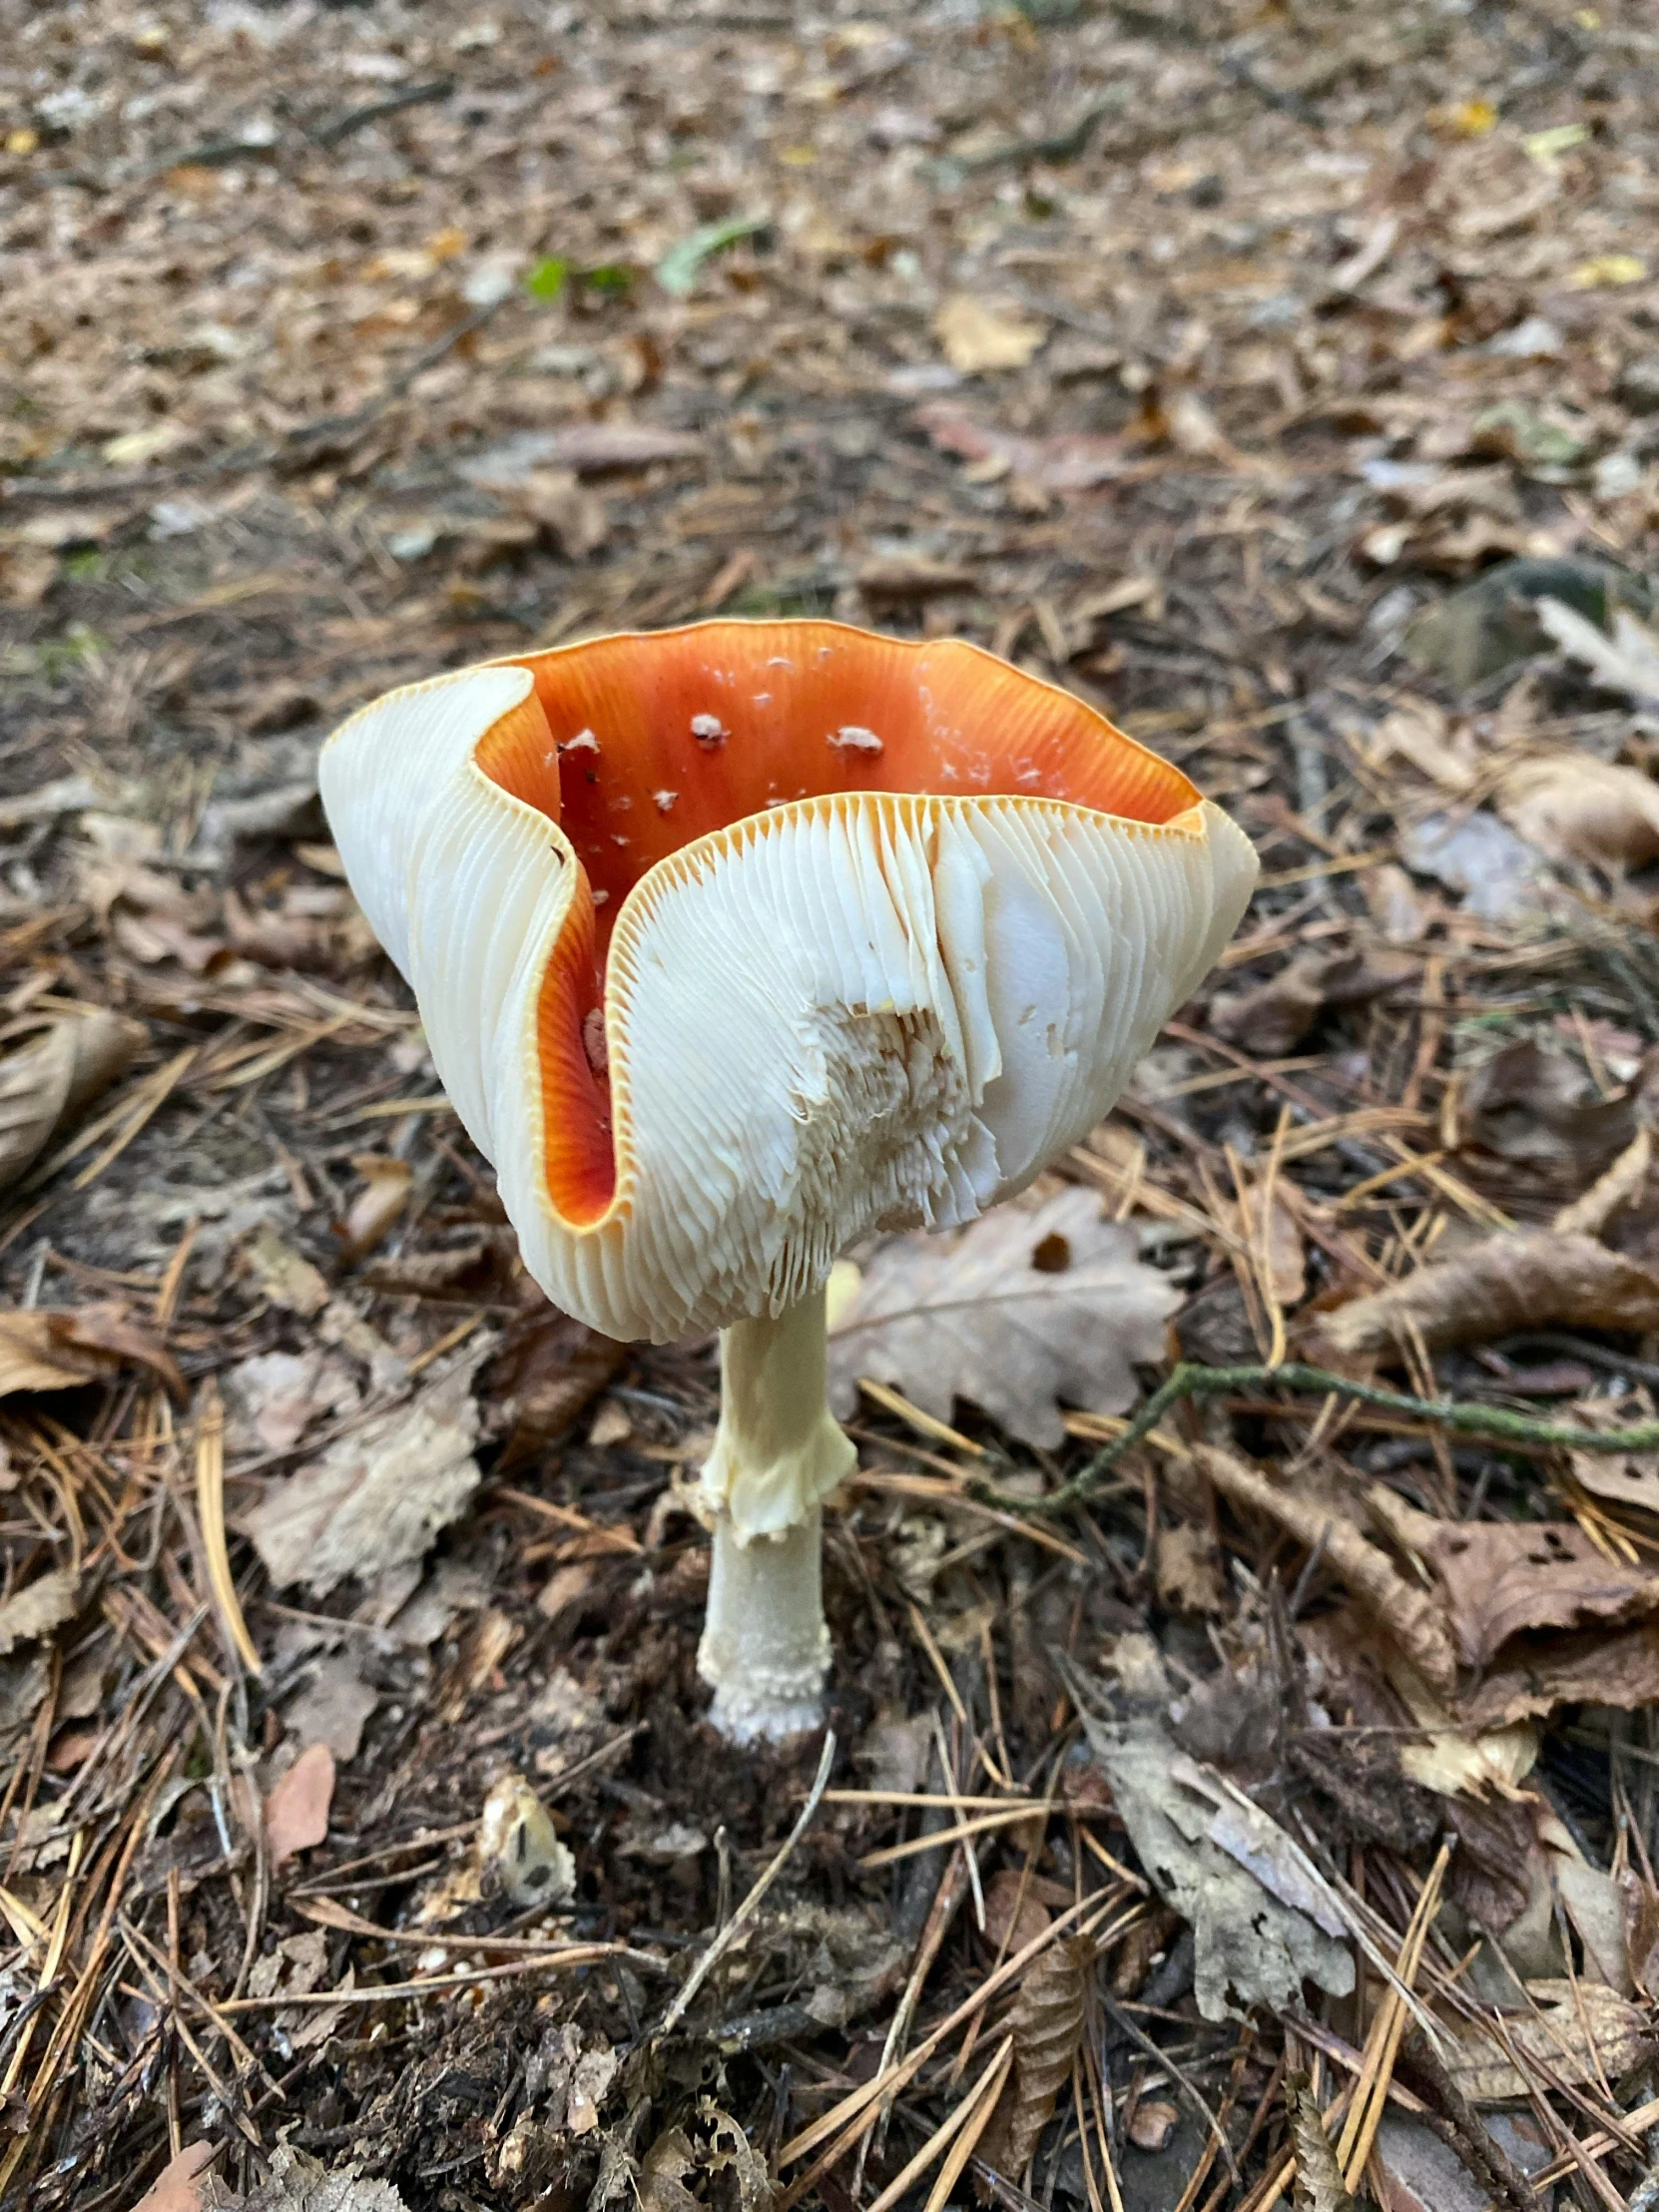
(735, 943)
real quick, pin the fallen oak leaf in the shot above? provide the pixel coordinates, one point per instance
(1014, 1312)
(1246, 1943)
(297, 2183)
(1502, 1580)
(378, 1494)
(51, 1080)
(1580, 2031)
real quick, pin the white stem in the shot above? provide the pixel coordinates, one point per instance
(765, 1648)
(778, 1454)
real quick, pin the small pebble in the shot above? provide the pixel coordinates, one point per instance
(593, 1041)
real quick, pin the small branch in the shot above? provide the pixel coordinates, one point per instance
(1191, 1378)
(752, 1903)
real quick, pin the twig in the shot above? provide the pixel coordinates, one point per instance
(358, 118)
(1192, 1379)
(752, 1903)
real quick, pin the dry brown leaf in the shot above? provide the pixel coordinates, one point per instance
(1594, 1668)
(53, 1349)
(372, 1213)
(976, 337)
(1420, 731)
(1188, 1562)
(34, 1612)
(1275, 1016)
(379, 1493)
(1319, 2178)
(1013, 1916)
(1537, 1108)
(1533, 1279)
(1018, 1310)
(573, 516)
(296, 1810)
(1505, 1579)
(1580, 2030)
(1048, 2027)
(50, 1080)
(1070, 462)
(1407, 1614)
(548, 1368)
(1573, 806)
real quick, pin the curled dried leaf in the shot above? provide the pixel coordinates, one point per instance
(1319, 2178)
(1533, 1279)
(54, 1076)
(1048, 2027)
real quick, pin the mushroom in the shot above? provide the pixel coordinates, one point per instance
(832, 989)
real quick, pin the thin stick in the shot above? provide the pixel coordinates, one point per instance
(1191, 1378)
(750, 1904)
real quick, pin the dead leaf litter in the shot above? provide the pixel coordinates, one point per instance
(1275, 1818)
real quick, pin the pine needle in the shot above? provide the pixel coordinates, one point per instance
(210, 1506)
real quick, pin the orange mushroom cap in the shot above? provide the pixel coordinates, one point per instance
(737, 941)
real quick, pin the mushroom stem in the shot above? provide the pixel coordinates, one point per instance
(778, 1454)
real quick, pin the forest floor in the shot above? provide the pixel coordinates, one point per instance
(1284, 379)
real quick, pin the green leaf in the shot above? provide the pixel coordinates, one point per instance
(547, 280)
(609, 277)
(676, 272)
